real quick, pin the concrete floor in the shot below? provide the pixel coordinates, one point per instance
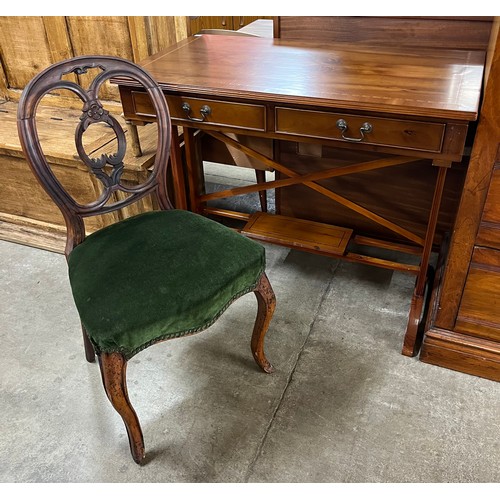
(344, 406)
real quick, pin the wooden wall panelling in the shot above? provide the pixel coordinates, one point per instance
(471, 33)
(29, 44)
(166, 30)
(60, 47)
(59, 43)
(133, 37)
(3, 76)
(24, 50)
(150, 34)
(3, 80)
(104, 35)
(140, 37)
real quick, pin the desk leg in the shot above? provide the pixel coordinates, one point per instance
(177, 170)
(260, 175)
(413, 336)
(194, 166)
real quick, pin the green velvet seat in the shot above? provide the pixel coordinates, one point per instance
(157, 276)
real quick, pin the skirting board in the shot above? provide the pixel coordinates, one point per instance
(32, 233)
(463, 353)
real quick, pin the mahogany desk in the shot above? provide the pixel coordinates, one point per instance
(401, 105)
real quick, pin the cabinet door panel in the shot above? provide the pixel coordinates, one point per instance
(479, 312)
(489, 229)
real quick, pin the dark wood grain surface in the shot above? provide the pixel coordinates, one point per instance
(457, 32)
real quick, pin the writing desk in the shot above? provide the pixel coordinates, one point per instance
(404, 105)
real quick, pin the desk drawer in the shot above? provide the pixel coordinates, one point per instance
(229, 114)
(421, 136)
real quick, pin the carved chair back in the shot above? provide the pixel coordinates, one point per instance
(108, 168)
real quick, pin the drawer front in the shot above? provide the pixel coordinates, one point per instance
(421, 136)
(229, 114)
(479, 312)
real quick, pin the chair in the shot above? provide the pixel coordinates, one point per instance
(153, 276)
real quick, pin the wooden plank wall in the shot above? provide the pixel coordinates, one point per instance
(458, 32)
(29, 44)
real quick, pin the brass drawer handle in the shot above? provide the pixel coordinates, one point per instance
(204, 112)
(366, 128)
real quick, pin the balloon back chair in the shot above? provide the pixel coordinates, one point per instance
(151, 277)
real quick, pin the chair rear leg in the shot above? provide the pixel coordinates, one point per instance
(266, 304)
(89, 348)
(113, 370)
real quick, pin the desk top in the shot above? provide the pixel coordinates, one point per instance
(432, 83)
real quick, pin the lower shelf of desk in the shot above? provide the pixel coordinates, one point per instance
(320, 238)
(306, 235)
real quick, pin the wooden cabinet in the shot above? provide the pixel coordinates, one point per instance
(464, 327)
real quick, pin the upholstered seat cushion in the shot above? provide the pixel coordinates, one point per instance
(159, 275)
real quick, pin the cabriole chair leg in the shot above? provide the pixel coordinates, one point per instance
(266, 304)
(113, 370)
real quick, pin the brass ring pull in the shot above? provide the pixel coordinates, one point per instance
(366, 128)
(204, 112)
